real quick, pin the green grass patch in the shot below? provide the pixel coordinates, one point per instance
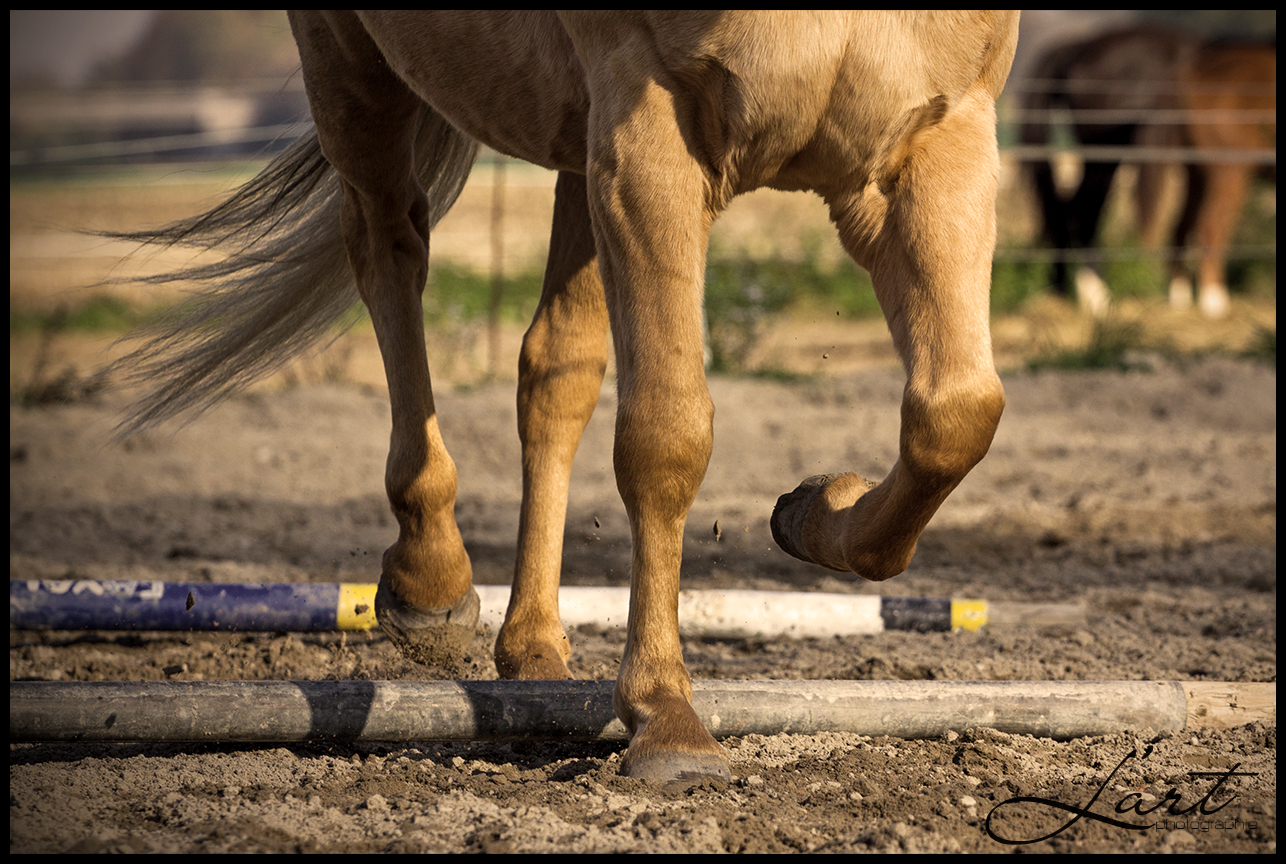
(99, 314)
(742, 295)
(1013, 282)
(846, 288)
(774, 284)
(1110, 344)
(1140, 278)
(457, 294)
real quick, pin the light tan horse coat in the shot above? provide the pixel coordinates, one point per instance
(654, 121)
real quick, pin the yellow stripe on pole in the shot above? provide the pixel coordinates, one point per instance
(968, 614)
(356, 608)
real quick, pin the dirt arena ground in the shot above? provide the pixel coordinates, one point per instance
(1148, 496)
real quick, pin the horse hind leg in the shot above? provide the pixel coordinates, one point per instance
(1180, 286)
(425, 601)
(367, 122)
(560, 373)
(1086, 211)
(928, 243)
(1227, 187)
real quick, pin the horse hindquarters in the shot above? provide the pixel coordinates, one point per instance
(370, 125)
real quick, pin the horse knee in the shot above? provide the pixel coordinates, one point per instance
(662, 450)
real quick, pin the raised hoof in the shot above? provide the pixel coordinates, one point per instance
(434, 637)
(788, 515)
(678, 770)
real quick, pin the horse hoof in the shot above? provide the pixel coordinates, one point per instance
(536, 667)
(788, 515)
(544, 669)
(434, 637)
(541, 664)
(1214, 303)
(678, 770)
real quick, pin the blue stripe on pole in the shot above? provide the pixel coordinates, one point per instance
(87, 604)
(915, 613)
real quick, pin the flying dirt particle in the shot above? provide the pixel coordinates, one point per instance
(191, 602)
(718, 535)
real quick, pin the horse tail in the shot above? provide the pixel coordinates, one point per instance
(284, 285)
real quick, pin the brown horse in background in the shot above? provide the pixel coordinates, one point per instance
(654, 121)
(1234, 84)
(1150, 86)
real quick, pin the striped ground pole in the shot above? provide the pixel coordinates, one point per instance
(285, 711)
(86, 604)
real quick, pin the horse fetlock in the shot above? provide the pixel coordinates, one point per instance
(1213, 301)
(421, 498)
(878, 562)
(428, 566)
(1092, 293)
(434, 637)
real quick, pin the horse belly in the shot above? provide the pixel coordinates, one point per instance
(509, 79)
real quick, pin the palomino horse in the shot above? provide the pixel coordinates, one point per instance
(1154, 87)
(654, 122)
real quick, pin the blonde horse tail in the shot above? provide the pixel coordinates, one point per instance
(284, 285)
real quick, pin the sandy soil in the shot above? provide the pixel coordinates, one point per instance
(1149, 496)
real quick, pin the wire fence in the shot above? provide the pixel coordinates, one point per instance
(1156, 106)
(156, 146)
(1143, 154)
(1137, 87)
(1104, 254)
(233, 139)
(231, 142)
